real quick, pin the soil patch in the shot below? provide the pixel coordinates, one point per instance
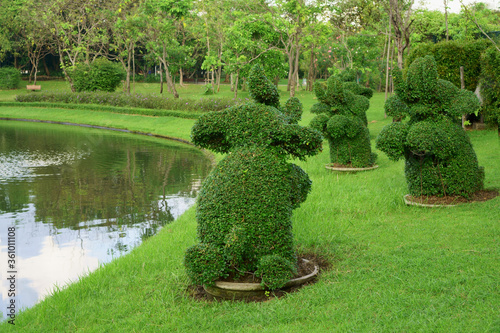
(304, 268)
(482, 195)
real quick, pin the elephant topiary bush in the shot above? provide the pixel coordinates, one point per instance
(245, 205)
(341, 117)
(440, 160)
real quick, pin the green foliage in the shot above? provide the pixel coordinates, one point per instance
(342, 120)
(262, 90)
(119, 99)
(450, 56)
(101, 75)
(245, 205)
(390, 138)
(395, 108)
(10, 78)
(275, 271)
(439, 157)
(293, 110)
(358, 89)
(490, 85)
(208, 90)
(204, 263)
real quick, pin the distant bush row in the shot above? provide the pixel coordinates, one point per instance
(133, 101)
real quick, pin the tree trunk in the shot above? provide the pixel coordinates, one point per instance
(45, 67)
(127, 79)
(236, 84)
(161, 79)
(170, 84)
(63, 67)
(133, 66)
(387, 64)
(181, 78)
(295, 70)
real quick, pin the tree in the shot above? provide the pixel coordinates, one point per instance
(126, 24)
(78, 29)
(160, 33)
(38, 38)
(400, 12)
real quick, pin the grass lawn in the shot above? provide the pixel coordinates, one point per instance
(394, 268)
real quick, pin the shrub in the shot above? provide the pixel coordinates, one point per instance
(245, 205)
(342, 120)
(490, 85)
(10, 78)
(102, 75)
(439, 157)
(450, 56)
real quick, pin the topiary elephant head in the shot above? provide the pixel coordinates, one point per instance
(245, 205)
(439, 157)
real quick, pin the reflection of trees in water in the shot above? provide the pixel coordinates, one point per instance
(119, 182)
(124, 186)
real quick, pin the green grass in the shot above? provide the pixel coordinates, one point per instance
(394, 268)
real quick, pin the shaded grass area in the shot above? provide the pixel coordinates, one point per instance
(394, 268)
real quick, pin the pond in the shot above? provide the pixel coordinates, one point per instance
(79, 197)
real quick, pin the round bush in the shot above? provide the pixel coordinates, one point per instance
(10, 78)
(102, 75)
(439, 157)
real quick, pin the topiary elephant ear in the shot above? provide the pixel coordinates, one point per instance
(262, 90)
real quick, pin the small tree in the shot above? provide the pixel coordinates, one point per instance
(439, 157)
(342, 120)
(245, 205)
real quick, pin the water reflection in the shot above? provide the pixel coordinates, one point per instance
(81, 197)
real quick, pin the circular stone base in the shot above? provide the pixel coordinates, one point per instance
(419, 204)
(235, 290)
(346, 169)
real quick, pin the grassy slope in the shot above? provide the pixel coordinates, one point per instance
(395, 268)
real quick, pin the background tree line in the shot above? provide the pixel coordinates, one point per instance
(219, 40)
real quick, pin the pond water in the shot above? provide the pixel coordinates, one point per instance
(79, 197)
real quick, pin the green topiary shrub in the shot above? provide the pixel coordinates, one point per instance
(245, 205)
(102, 75)
(439, 157)
(10, 78)
(342, 120)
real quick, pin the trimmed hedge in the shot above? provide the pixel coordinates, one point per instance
(10, 78)
(490, 85)
(439, 156)
(450, 56)
(120, 99)
(106, 108)
(342, 120)
(245, 205)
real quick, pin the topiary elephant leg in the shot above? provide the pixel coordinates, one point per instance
(205, 263)
(275, 271)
